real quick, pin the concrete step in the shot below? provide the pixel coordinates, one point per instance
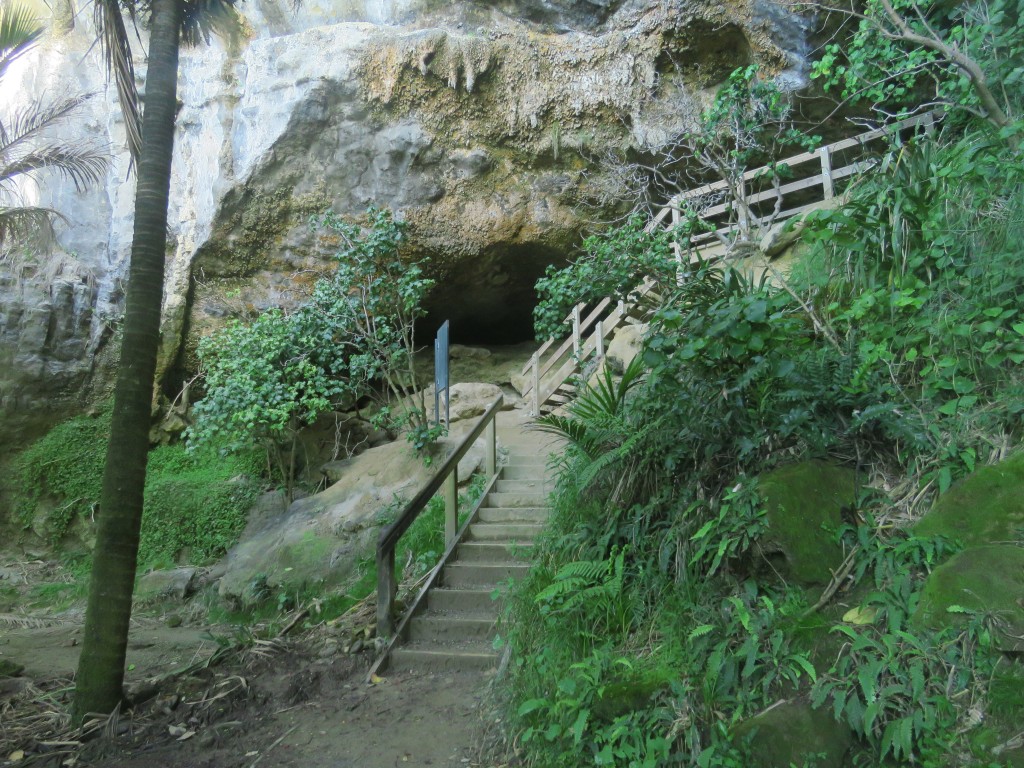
(519, 499)
(490, 552)
(470, 601)
(430, 656)
(525, 472)
(521, 532)
(494, 551)
(514, 514)
(485, 575)
(442, 628)
(526, 485)
(537, 458)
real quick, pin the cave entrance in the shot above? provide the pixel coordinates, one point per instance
(489, 300)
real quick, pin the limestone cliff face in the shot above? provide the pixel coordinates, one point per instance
(481, 123)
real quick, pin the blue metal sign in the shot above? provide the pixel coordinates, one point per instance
(441, 383)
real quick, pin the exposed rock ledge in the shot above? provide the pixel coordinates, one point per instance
(481, 124)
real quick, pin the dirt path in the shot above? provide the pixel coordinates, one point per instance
(283, 704)
(297, 702)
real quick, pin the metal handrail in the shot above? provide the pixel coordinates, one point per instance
(448, 476)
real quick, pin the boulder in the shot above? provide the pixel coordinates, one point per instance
(176, 583)
(318, 540)
(804, 504)
(460, 352)
(469, 401)
(626, 343)
(988, 579)
(985, 508)
(792, 733)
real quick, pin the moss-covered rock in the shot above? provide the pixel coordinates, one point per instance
(989, 579)
(804, 504)
(986, 508)
(791, 734)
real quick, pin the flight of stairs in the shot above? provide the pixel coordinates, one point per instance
(456, 628)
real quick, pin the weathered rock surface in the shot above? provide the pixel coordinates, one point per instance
(987, 579)
(317, 540)
(791, 733)
(481, 124)
(985, 508)
(175, 583)
(804, 504)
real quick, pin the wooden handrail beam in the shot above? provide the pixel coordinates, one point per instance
(388, 540)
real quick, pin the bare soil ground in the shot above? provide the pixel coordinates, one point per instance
(236, 702)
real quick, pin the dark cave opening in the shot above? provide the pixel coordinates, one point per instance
(489, 300)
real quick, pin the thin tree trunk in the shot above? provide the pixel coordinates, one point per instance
(101, 666)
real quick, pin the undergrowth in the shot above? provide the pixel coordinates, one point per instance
(195, 502)
(654, 626)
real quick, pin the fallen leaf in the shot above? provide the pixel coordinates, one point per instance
(186, 735)
(375, 679)
(860, 616)
(16, 756)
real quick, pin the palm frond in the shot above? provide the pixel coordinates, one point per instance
(117, 53)
(19, 31)
(200, 19)
(82, 165)
(25, 225)
(26, 124)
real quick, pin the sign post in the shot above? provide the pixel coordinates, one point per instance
(441, 374)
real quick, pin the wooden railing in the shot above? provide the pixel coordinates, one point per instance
(811, 179)
(549, 369)
(447, 476)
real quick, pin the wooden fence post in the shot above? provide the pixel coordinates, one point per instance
(536, 384)
(676, 248)
(387, 588)
(451, 506)
(826, 173)
(492, 446)
(599, 338)
(576, 331)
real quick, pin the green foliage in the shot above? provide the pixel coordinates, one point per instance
(964, 55)
(732, 532)
(267, 379)
(65, 466)
(895, 348)
(195, 503)
(611, 264)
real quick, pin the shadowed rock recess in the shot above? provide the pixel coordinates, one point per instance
(481, 124)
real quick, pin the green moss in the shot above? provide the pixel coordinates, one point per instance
(65, 465)
(989, 579)
(986, 508)
(793, 734)
(261, 218)
(804, 504)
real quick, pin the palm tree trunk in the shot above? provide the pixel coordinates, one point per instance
(101, 666)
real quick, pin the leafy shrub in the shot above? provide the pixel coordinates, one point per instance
(612, 264)
(267, 379)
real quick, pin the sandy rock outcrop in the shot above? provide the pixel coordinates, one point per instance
(483, 125)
